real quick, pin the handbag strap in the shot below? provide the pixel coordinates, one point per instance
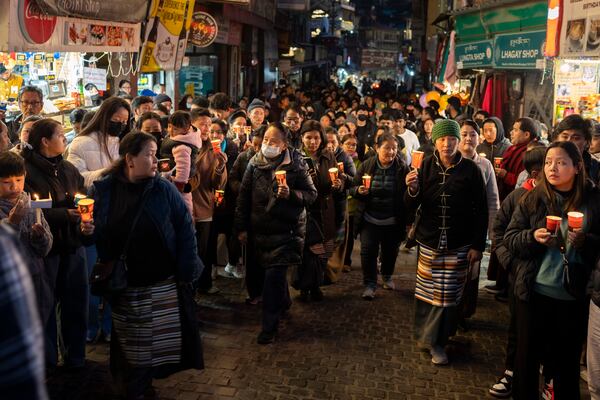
(133, 225)
(562, 247)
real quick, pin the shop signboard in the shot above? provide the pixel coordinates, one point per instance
(108, 10)
(378, 59)
(167, 36)
(474, 55)
(28, 29)
(519, 50)
(204, 29)
(95, 76)
(580, 32)
(196, 80)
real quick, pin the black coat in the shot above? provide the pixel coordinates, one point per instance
(362, 201)
(235, 176)
(501, 222)
(341, 198)
(60, 180)
(466, 210)
(530, 215)
(276, 227)
(364, 136)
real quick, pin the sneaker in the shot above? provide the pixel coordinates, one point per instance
(213, 290)
(503, 386)
(226, 272)
(438, 355)
(548, 392)
(265, 337)
(388, 284)
(368, 294)
(493, 289)
(238, 271)
(232, 271)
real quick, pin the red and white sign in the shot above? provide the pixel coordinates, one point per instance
(36, 27)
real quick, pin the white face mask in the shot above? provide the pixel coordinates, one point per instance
(270, 151)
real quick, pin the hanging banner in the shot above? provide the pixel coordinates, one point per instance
(28, 29)
(519, 50)
(474, 55)
(580, 33)
(204, 29)
(166, 38)
(107, 10)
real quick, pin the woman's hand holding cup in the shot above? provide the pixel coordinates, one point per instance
(283, 191)
(412, 181)
(543, 236)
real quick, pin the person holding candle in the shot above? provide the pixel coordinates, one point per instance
(271, 218)
(49, 176)
(23, 132)
(321, 217)
(494, 143)
(539, 263)
(97, 145)
(35, 236)
(427, 146)
(150, 323)
(211, 175)
(451, 232)
(380, 217)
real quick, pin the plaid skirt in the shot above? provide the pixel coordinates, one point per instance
(148, 325)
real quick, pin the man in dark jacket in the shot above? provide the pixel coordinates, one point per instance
(271, 218)
(292, 119)
(495, 144)
(31, 102)
(365, 130)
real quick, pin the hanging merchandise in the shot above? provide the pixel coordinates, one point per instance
(166, 39)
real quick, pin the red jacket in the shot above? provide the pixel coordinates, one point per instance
(512, 162)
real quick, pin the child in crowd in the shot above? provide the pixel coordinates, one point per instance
(35, 236)
(181, 148)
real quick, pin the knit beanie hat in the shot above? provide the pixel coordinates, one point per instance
(445, 127)
(162, 98)
(256, 103)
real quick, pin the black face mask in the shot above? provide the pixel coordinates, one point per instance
(115, 128)
(362, 117)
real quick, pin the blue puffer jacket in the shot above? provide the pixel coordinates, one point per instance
(167, 210)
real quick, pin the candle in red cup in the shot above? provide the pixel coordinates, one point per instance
(219, 195)
(86, 209)
(333, 174)
(341, 167)
(417, 159)
(483, 155)
(366, 181)
(497, 162)
(216, 145)
(553, 223)
(575, 220)
(280, 176)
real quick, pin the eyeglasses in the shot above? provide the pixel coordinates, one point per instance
(31, 103)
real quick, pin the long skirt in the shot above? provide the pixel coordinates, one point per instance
(441, 277)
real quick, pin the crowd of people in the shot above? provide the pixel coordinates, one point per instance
(276, 191)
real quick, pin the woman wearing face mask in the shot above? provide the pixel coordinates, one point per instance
(97, 146)
(541, 295)
(321, 222)
(451, 232)
(150, 123)
(150, 325)
(271, 218)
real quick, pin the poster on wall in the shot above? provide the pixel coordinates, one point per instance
(196, 80)
(204, 29)
(580, 32)
(166, 35)
(576, 89)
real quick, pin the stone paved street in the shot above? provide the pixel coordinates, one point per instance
(342, 348)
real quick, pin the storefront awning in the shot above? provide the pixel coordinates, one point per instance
(106, 10)
(483, 24)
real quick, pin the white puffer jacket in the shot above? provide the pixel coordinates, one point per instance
(88, 154)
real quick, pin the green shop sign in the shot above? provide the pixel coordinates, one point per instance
(475, 54)
(519, 50)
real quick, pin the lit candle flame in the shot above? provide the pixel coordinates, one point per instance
(37, 197)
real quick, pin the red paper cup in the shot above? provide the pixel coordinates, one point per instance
(86, 209)
(216, 145)
(553, 223)
(333, 174)
(280, 176)
(575, 220)
(497, 162)
(219, 195)
(366, 181)
(417, 159)
(341, 167)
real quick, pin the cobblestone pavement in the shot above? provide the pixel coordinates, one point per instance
(341, 348)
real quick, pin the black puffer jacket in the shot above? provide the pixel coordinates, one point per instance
(499, 146)
(530, 215)
(276, 227)
(59, 179)
(363, 202)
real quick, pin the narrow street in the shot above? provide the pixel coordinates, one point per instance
(342, 348)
